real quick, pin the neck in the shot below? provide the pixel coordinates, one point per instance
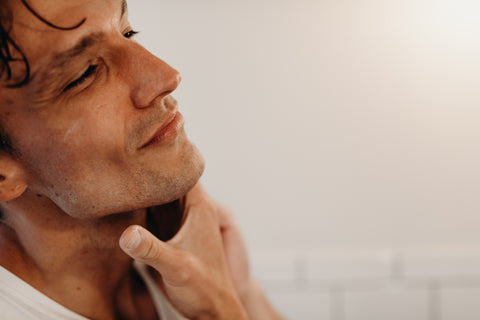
(77, 263)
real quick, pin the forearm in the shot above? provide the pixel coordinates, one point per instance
(257, 305)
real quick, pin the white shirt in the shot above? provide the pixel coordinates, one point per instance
(20, 301)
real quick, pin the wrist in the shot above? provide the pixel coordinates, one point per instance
(251, 293)
(256, 303)
(228, 308)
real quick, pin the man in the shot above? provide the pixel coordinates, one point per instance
(94, 154)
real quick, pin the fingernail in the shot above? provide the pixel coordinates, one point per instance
(132, 240)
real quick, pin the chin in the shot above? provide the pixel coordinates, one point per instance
(186, 178)
(188, 171)
(144, 189)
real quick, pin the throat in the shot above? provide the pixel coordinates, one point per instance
(78, 264)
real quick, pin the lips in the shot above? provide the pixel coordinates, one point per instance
(168, 131)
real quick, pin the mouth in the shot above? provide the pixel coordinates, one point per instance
(168, 131)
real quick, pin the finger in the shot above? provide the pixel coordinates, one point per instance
(231, 233)
(196, 195)
(199, 217)
(200, 225)
(143, 246)
(193, 198)
(225, 218)
(235, 248)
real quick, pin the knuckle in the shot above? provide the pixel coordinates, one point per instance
(210, 209)
(184, 275)
(187, 267)
(225, 213)
(150, 251)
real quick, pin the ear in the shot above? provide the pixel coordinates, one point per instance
(12, 178)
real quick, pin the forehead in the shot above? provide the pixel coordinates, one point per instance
(40, 41)
(59, 12)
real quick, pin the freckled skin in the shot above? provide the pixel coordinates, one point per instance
(79, 159)
(81, 148)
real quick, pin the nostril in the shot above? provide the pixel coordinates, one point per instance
(153, 79)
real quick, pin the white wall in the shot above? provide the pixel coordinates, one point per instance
(332, 126)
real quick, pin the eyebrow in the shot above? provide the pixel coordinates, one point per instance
(59, 60)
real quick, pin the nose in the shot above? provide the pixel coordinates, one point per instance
(149, 78)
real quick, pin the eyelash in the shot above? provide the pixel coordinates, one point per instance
(130, 33)
(92, 68)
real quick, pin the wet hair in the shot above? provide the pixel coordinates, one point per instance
(8, 47)
(11, 52)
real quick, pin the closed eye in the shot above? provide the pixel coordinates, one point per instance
(90, 71)
(92, 68)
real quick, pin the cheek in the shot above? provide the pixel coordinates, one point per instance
(70, 146)
(99, 134)
(72, 132)
(95, 133)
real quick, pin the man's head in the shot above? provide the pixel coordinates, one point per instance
(86, 127)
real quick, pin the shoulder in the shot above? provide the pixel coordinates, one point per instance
(19, 300)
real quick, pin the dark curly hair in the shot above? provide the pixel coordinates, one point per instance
(10, 52)
(8, 48)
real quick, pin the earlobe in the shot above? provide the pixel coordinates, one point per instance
(12, 178)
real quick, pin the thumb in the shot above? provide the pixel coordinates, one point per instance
(143, 246)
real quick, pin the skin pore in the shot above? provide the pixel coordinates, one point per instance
(81, 174)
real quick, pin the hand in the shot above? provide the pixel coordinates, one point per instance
(235, 251)
(251, 294)
(193, 267)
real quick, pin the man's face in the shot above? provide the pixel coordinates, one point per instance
(84, 124)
